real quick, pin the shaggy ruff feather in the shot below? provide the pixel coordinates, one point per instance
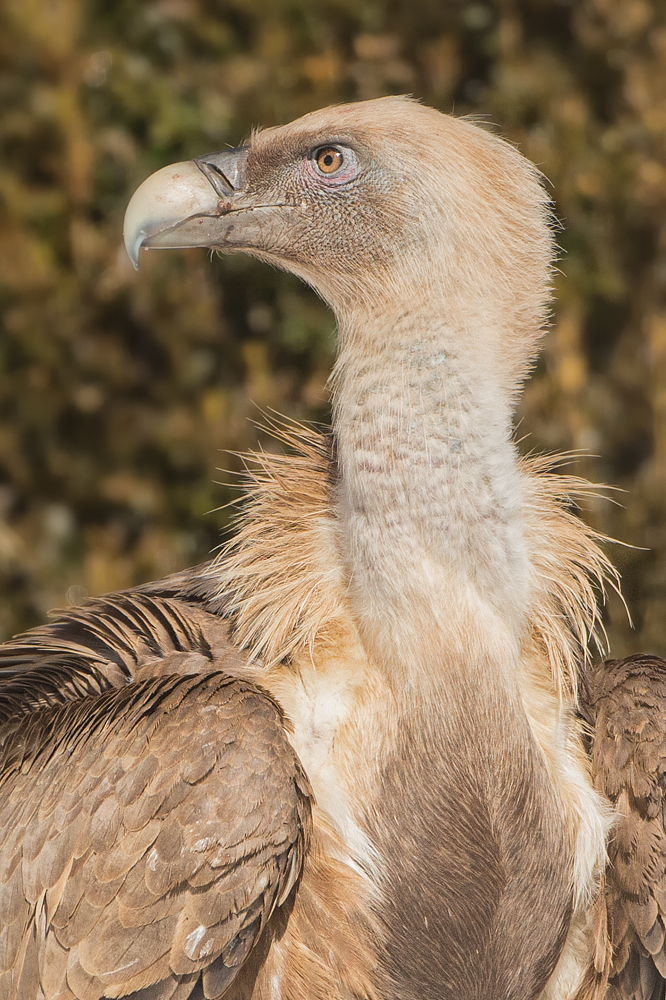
(281, 575)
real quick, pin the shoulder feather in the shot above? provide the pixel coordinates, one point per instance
(280, 577)
(570, 570)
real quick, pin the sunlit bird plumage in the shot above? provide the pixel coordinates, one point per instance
(362, 754)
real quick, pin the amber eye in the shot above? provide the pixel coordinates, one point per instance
(329, 159)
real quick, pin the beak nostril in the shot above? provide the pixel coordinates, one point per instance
(217, 178)
(217, 170)
(224, 171)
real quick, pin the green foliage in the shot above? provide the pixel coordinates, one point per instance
(118, 391)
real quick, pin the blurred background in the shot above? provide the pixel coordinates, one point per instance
(119, 392)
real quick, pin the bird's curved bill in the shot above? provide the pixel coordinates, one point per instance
(186, 204)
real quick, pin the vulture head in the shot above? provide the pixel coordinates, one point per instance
(375, 205)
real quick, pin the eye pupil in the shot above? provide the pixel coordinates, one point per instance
(329, 159)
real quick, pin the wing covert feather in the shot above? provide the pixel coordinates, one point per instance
(168, 627)
(625, 703)
(147, 833)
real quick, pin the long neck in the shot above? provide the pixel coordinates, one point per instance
(430, 497)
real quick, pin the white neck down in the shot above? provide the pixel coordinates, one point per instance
(430, 502)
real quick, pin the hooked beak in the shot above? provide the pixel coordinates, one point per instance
(192, 204)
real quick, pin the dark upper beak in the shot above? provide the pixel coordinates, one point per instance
(188, 204)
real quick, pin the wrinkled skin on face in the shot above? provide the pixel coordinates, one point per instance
(339, 222)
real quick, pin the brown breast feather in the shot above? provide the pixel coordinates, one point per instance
(625, 703)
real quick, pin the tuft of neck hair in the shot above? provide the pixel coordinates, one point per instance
(281, 580)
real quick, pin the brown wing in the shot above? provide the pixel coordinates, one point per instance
(625, 702)
(146, 834)
(147, 831)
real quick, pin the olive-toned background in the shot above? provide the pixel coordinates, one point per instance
(119, 391)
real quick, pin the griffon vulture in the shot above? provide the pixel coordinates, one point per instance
(361, 755)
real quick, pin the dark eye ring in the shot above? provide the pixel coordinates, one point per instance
(329, 159)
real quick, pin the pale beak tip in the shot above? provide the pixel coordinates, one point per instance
(134, 234)
(133, 248)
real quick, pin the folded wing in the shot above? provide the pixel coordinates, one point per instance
(150, 827)
(625, 702)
